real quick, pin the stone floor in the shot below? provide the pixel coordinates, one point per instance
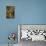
(32, 43)
(9, 45)
(28, 43)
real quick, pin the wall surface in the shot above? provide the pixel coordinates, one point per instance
(27, 12)
(6, 25)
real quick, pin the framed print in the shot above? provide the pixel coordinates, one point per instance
(32, 32)
(10, 11)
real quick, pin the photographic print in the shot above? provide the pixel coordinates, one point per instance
(10, 11)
